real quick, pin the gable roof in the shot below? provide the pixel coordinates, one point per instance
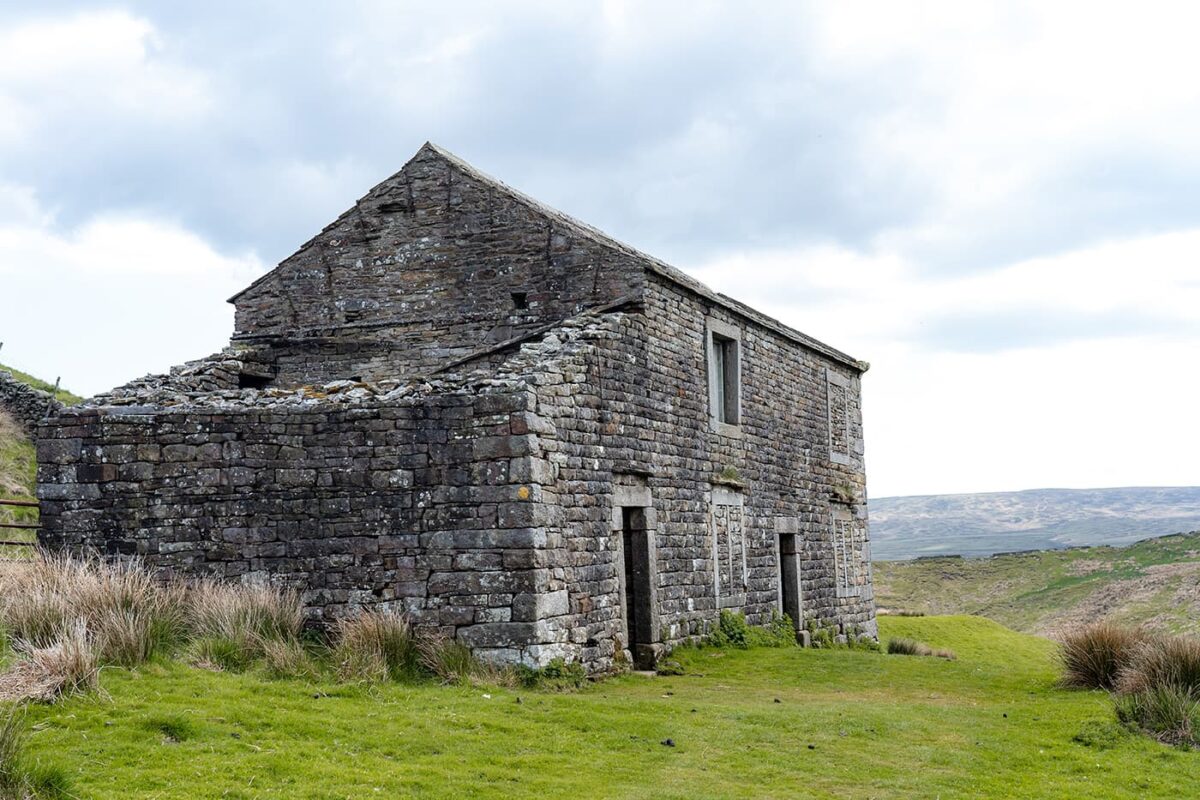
(596, 236)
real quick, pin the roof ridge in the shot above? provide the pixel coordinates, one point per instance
(596, 236)
(659, 266)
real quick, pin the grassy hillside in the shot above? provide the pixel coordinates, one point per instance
(1155, 582)
(62, 394)
(1038, 519)
(18, 465)
(740, 724)
(18, 473)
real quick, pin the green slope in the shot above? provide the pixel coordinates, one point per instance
(63, 395)
(1155, 582)
(18, 466)
(742, 724)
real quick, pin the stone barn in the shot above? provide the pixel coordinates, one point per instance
(462, 405)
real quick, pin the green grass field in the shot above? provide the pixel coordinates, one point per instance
(1152, 582)
(749, 724)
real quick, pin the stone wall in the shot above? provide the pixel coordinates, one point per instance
(431, 506)
(488, 506)
(429, 266)
(633, 411)
(442, 404)
(24, 403)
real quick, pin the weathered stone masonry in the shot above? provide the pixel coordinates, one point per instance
(462, 405)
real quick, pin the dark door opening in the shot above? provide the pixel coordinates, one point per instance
(789, 578)
(635, 544)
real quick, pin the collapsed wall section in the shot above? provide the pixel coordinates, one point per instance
(430, 506)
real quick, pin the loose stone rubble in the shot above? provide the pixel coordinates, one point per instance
(459, 404)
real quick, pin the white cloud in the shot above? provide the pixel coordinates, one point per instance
(113, 298)
(94, 66)
(994, 203)
(1106, 407)
(990, 106)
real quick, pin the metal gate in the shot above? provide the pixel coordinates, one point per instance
(9, 526)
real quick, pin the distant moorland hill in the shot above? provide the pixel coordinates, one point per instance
(1038, 519)
(1155, 582)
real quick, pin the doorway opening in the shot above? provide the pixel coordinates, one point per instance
(635, 544)
(789, 579)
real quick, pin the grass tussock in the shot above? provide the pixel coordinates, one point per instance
(452, 662)
(1092, 657)
(70, 617)
(66, 664)
(129, 616)
(67, 617)
(248, 615)
(377, 645)
(1159, 688)
(289, 659)
(1155, 678)
(234, 626)
(1162, 661)
(901, 646)
(1169, 713)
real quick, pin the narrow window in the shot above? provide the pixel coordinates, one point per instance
(723, 344)
(520, 300)
(725, 377)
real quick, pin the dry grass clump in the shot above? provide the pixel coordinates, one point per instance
(1156, 677)
(233, 626)
(63, 611)
(1162, 661)
(452, 662)
(249, 615)
(70, 616)
(901, 646)
(288, 659)
(1160, 689)
(1092, 657)
(65, 665)
(381, 645)
(377, 645)
(130, 617)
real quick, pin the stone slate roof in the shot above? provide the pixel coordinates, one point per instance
(590, 233)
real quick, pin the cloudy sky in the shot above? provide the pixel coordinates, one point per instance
(997, 205)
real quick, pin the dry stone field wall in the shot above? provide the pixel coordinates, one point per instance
(24, 403)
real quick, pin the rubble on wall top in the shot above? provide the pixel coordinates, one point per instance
(212, 383)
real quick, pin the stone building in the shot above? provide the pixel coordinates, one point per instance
(460, 404)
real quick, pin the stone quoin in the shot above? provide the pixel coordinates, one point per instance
(459, 404)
